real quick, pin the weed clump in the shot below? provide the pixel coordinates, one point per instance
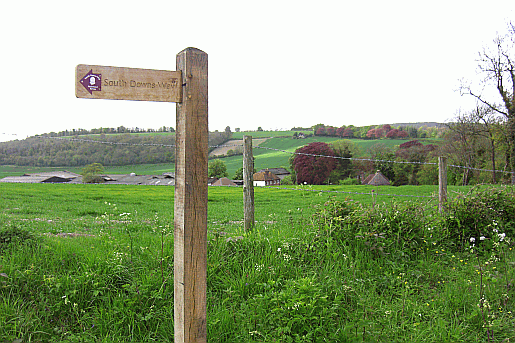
(12, 236)
(480, 213)
(380, 228)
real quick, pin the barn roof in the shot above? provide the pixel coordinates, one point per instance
(224, 182)
(60, 173)
(377, 179)
(277, 171)
(34, 179)
(265, 175)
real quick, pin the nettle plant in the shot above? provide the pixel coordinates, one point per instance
(381, 228)
(480, 213)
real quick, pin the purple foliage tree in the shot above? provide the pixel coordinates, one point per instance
(314, 170)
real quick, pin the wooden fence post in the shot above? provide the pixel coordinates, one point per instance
(442, 183)
(190, 209)
(248, 184)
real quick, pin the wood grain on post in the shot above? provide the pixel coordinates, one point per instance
(442, 183)
(248, 184)
(190, 212)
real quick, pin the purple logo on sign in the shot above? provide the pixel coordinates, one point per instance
(92, 82)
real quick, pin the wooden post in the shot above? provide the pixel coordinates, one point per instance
(190, 212)
(442, 183)
(248, 184)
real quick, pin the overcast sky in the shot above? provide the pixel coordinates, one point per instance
(274, 64)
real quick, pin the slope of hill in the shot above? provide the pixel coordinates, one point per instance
(151, 153)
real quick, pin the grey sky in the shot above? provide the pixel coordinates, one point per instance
(275, 64)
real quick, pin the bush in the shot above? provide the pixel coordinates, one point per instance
(349, 181)
(288, 180)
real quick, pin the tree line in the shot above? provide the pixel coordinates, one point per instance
(108, 150)
(106, 131)
(432, 130)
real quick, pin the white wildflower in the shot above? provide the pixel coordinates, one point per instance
(472, 239)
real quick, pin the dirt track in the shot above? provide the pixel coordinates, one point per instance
(223, 149)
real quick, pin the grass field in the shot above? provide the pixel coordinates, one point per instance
(94, 263)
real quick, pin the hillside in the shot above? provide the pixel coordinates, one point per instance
(147, 153)
(107, 149)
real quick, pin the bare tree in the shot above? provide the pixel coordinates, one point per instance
(496, 65)
(471, 135)
(488, 126)
(463, 143)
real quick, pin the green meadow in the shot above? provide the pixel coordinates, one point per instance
(94, 263)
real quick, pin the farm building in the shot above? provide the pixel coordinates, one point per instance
(167, 179)
(266, 178)
(34, 179)
(377, 179)
(45, 177)
(279, 172)
(224, 182)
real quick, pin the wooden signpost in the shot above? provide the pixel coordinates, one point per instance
(188, 88)
(100, 82)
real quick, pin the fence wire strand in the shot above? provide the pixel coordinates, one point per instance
(274, 149)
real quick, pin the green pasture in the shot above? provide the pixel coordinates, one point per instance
(94, 263)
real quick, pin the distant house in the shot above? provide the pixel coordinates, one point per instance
(224, 182)
(279, 172)
(377, 179)
(266, 178)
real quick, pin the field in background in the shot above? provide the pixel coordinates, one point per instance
(280, 140)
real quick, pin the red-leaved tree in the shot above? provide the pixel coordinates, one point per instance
(310, 169)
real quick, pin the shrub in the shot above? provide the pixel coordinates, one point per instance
(349, 181)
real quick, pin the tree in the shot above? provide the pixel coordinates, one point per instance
(228, 132)
(320, 131)
(471, 137)
(217, 168)
(238, 175)
(330, 131)
(310, 165)
(91, 173)
(345, 149)
(260, 128)
(496, 65)
(382, 155)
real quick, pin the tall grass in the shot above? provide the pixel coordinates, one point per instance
(319, 267)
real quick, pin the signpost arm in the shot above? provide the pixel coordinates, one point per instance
(190, 211)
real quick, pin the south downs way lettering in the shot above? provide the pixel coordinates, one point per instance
(137, 84)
